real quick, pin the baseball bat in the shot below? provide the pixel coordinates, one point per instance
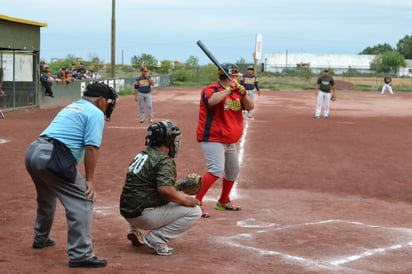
(212, 57)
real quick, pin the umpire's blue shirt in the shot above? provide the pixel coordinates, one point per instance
(78, 125)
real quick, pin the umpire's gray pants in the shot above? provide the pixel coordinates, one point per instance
(145, 101)
(49, 187)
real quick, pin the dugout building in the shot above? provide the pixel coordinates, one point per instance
(19, 59)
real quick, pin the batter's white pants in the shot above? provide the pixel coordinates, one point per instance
(323, 99)
(387, 86)
(221, 159)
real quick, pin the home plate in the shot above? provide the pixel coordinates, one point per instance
(253, 223)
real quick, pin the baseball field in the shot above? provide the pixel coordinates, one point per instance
(317, 196)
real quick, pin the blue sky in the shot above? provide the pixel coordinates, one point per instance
(169, 29)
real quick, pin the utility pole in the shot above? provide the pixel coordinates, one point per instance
(113, 47)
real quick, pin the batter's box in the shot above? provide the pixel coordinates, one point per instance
(329, 243)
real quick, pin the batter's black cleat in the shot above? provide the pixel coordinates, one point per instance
(92, 262)
(47, 243)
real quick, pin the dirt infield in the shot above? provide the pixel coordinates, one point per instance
(317, 196)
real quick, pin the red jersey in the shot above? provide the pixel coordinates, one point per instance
(223, 122)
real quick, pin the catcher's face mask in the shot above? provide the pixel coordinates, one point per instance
(175, 147)
(111, 104)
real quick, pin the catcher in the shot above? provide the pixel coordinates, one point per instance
(155, 210)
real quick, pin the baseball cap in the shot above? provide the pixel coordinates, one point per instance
(325, 70)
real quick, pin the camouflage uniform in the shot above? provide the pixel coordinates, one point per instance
(142, 205)
(149, 169)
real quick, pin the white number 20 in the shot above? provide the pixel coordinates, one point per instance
(138, 163)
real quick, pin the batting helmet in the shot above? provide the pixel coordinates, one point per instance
(228, 67)
(164, 133)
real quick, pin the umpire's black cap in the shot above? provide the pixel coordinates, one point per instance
(98, 89)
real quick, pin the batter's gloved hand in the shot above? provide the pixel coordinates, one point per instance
(234, 86)
(190, 184)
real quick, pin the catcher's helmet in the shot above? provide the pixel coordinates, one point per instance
(164, 133)
(227, 67)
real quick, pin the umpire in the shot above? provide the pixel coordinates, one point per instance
(74, 135)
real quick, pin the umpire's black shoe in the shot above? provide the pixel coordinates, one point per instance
(47, 243)
(92, 262)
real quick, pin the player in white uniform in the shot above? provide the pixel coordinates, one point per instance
(324, 86)
(387, 84)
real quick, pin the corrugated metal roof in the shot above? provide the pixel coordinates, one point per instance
(22, 21)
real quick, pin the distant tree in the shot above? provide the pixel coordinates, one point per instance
(57, 64)
(144, 60)
(95, 63)
(71, 58)
(192, 61)
(378, 49)
(404, 46)
(388, 61)
(241, 61)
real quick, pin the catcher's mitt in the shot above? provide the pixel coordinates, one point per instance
(333, 98)
(190, 184)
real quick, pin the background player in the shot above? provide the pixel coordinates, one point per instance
(143, 89)
(219, 128)
(324, 86)
(250, 82)
(387, 84)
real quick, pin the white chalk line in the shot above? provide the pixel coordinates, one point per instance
(127, 127)
(242, 142)
(323, 263)
(369, 253)
(3, 141)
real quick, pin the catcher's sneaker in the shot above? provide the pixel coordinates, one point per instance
(161, 249)
(47, 243)
(227, 206)
(136, 238)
